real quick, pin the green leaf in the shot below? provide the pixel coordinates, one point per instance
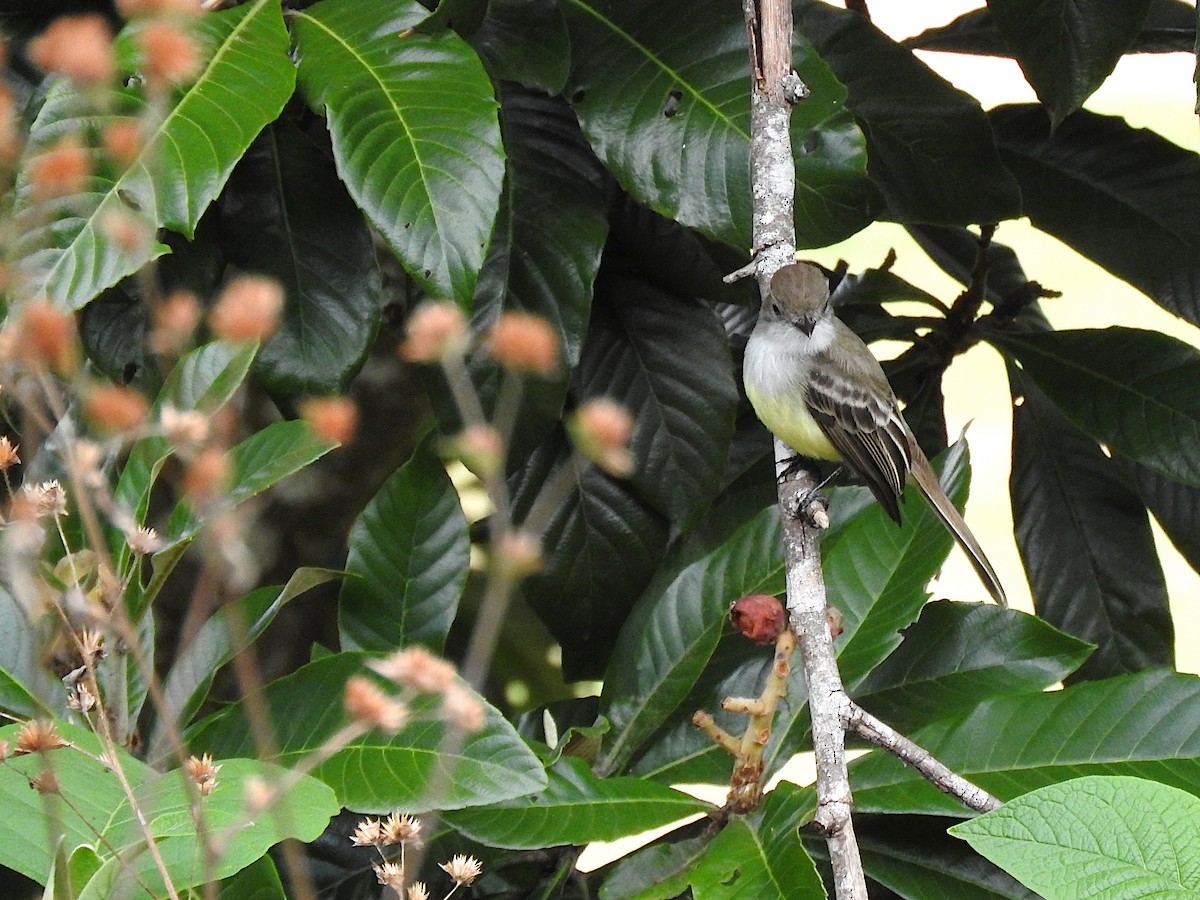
(415, 133)
(673, 631)
(26, 691)
(658, 871)
(1102, 838)
(641, 351)
(223, 636)
(664, 100)
(286, 214)
(425, 766)
(1176, 508)
(760, 857)
(258, 881)
(959, 654)
(187, 157)
(1147, 408)
(1066, 48)
(1085, 166)
(409, 551)
(1144, 725)
(525, 41)
(1085, 539)
(956, 251)
(930, 148)
(576, 807)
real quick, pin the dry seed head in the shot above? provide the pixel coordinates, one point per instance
(79, 47)
(114, 408)
(170, 56)
(144, 541)
(399, 828)
(45, 337)
(367, 834)
(208, 475)
(202, 772)
(524, 343)
(601, 430)
(418, 891)
(417, 669)
(45, 499)
(369, 705)
(44, 782)
(80, 698)
(435, 331)
(174, 320)
(186, 431)
(122, 141)
(248, 309)
(390, 874)
(332, 418)
(463, 869)
(91, 646)
(38, 737)
(8, 453)
(462, 709)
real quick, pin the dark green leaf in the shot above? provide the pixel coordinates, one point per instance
(409, 553)
(1066, 48)
(286, 214)
(1176, 507)
(956, 251)
(67, 254)
(1135, 391)
(930, 148)
(663, 96)
(960, 654)
(658, 871)
(415, 134)
(425, 766)
(575, 808)
(525, 41)
(1147, 725)
(1085, 165)
(258, 881)
(1085, 539)
(641, 351)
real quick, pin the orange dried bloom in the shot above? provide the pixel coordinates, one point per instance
(248, 310)
(45, 336)
(38, 737)
(169, 55)
(435, 331)
(601, 430)
(202, 772)
(480, 449)
(367, 703)
(122, 140)
(62, 170)
(462, 709)
(463, 869)
(8, 453)
(390, 874)
(45, 782)
(416, 668)
(418, 891)
(114, 408)
(132, 8)
(519, 553)
(524, 343)
(367, 834)
(174, 320)
(333, 418)
(125, 230)
(208, 474)
(399, 829)
(79, 47)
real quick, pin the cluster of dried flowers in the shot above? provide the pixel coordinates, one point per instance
(415, 671)
(403, 831)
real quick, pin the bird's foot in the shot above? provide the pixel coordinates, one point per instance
(811, 505)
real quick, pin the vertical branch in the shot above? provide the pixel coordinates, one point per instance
(774, 88)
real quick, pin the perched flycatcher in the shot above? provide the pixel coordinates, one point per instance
(818, 388)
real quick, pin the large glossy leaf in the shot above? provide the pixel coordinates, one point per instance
(415, 134)
(1085, 165)
(658, 871)
(1085, 539)
(408, 561)
(286, 214)
(425, 766)
(1176, 507)
(66, 253)
(930, 148)
(1066, 48)
(956, 251)
(575, 808)
(664, 99)
(1147, 725)
(26, 690)
(525, 41)
(231, 628)
(958, 655)
(641, 351)
(1135, 391)
(1122, 838)
(674, 630)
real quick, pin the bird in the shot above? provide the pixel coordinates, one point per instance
(816, 386)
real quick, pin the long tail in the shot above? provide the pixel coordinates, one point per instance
(926, 479)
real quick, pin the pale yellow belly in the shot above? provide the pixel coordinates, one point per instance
(788, 418)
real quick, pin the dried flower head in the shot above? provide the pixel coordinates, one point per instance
(524, 342)
(115, 408)
(91, 645)
(601, 429)
(80, 698)
(186, 431)
(132, 8)
(417, 669)
(126, 230)
(435, 331)
(208, 475)
(60, 171)
(332, 418)
(8, 454)
(390, 874)
(45, 336)
(480, 449)
(201, 772)
(462, 709)
(144, 541)
(79, 47)
(518, 553)
(248, 309)
(37, 736)
(122, 140)
(170, 56)
(45, 499)
(45, 782)
(399, 828)
(174, 320)
(367, 834)
(463, 869)
(418, 891)
(368, 704)
(86, 462)
(759, 617)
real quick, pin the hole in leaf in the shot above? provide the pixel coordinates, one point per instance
(578, 96)
(671, 107)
